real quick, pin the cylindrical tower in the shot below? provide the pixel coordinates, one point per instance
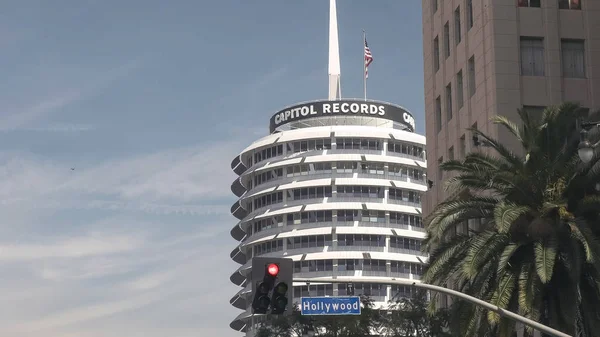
(337, 187)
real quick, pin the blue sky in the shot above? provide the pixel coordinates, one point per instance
(149, 101)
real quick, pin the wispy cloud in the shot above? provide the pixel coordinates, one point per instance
(69, 248)
(60, 98)
(150, 272)
(186, 181)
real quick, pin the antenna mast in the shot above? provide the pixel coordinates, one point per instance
(335, 89)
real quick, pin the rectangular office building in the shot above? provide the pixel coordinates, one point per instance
(489, 57)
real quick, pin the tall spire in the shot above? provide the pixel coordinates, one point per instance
(335, 90)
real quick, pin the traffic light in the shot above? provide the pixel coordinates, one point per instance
(271, 274)
(280, 300)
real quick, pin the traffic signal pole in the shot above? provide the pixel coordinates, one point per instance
(502, 312)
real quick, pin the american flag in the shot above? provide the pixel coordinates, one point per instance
(368, 59)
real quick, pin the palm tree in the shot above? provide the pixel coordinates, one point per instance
(536, 250)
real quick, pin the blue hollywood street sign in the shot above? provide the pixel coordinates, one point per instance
(343, 305)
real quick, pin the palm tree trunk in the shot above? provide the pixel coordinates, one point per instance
(546, 315)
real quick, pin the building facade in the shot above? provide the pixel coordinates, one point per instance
(491, 57)
(488, 57)
(336, 186)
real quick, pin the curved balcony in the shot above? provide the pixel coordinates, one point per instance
(239, 300)
(238, 211)
(238, 256)
(237, 166)
(237, 232)
(237, 278)
(238, 323)
(237, 187)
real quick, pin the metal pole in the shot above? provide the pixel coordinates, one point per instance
(364, 64)
(474, 300)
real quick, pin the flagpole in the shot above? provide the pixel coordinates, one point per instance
(364, 65)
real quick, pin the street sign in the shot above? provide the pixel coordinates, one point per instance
(346, 305)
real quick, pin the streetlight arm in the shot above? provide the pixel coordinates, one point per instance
(589, 125)
(474, 300)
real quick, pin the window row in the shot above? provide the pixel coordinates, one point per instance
(407, 149)
(343, 240)
(265, 224)
(404, 171)
(313, 266)
(309, 193)
(406, 268)
(268, 247)
(362, 240)
(309, 145)
(349, 191)
(308, 169)
(366, 289)
(533, 62)
(340, 167)
(404, 195)
(364, 215)
(342, 191)
(405, 243)
(268, 199)
(562, 4)
(457, 33)
(298, 218)
(395, 266)
(359, 144)
(398, 291)
(267, 153)
(268, 176)
(309, 241)
(458, 94)
(406, 219)
(341, 143)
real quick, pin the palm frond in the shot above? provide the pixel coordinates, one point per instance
(504, 152)
(482, 247)
(506, 255)
(444, 259)
(506, 213)
(545, 258)
(502, 295)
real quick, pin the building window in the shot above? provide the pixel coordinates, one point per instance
(457, 30)
(440, 172)
(449, 101)
(459, 90)
(438, 113)
(529, 3)
(573, 58)
(451, 153)
(470, 13)
(434, 6)
(447, 40)
(471, 65)
(463, 147)
(436, 54)
(359, 144)
(569, 4)
(532, 56)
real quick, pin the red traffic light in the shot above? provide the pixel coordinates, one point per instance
(273, 269)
